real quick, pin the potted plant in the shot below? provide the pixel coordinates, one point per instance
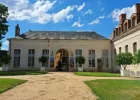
(43, 60)
(123, 60)
(80, 60)
(5, 61)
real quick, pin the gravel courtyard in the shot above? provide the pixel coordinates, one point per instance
(52, 86)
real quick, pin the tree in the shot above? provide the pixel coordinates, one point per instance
(43, 60)
(6, 59)
(80, 60)
(124, 59)
(3, 21)
(136, 59)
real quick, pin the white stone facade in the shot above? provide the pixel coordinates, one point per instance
(54, 45)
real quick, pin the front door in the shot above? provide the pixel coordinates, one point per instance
(62, 60)
(99, 62)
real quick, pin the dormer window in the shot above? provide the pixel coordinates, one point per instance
(117, 32)
(114, 34)
(125, 27)
(134, 21)
(120, 31)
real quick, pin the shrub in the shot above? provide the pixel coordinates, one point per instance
(43, 60)
(80, 60)
(6, 59)
(124, 59)
(136, 58)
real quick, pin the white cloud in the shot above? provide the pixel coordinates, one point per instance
(77, 24)
(4, 48)
(97, 20)
(81, 7)
(102, 9)
(63, 14)
(37, 12)
(117, 12)
(6, 43)
(88, 12)
(101, 17)
(69, 17)
(23, 10)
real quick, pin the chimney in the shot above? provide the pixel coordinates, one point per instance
(17, 30)
(122, 18)
(137, 8)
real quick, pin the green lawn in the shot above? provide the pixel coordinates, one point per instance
(7, 83)
(97, 74)
(11, 73)
(115, 89)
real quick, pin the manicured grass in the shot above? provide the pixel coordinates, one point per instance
(7, 83)
(97, 74)
(11, 73)
(115, 89)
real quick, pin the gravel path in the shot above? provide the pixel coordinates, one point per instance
(52, 86)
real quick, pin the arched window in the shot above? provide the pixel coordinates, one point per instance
(91, 58)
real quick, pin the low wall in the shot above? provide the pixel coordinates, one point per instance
(134, 70)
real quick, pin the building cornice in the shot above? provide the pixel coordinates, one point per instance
(128, 32)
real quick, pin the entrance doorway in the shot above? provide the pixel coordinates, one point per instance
(99, 63)
(62, 60)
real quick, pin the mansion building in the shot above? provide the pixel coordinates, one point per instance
(98, 51)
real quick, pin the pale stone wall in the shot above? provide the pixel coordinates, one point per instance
(55, 45)
(127, 40)
(133, 70)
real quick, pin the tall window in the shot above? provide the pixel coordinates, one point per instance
(91, 58)
(120, 50)
(126, 48)
(78, 52)
(16, 58)
(134, 47)
(45, 53)
(31, 57)
(105, 58)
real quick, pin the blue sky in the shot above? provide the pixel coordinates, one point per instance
(66, 15)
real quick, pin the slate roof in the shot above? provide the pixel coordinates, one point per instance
(60, 35)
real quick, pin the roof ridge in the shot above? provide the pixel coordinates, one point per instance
(61, 35)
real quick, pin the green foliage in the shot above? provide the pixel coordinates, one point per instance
(97, 74)
(107, 89)
(124, 59)
(43, 59)
(3, 21)
(8, 83)
(136, 58)
(6, 59)
(14, 73)
(80, 60)
(0, 45)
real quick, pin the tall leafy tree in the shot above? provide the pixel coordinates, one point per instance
(136, 59)
(124, 59)
(3, 22)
